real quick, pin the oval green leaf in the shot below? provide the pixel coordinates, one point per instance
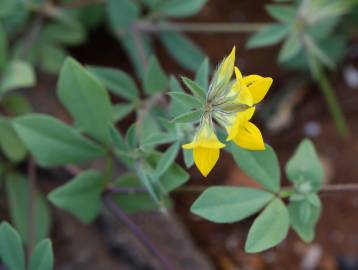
(262, 166)
(304, 228)
(269, 228)
(11, 249)
(182, 49)
(305, 165)
(86, 99)
(230, 204)
(81, 196)
(42, 256)
(52, 142)
(117, 81)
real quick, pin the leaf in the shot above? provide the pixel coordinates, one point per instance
(42, 256)
(282, 13)
(91, 16)
(267, 36)
(159, 138)
(188, 158)
(222, 204)
(86, 99)
(155, 79)
(51, 57)
(18, 192)
(304, 229)
(7, 7)
(173, 178)
(334, 46)
(129, 41)
(262, 166)
(10, 143)
(313, 48)
(131, 136)
(305, 164)
(305, 211)
(122, 14)
(182, 49)
(120, 111)
(179, 8)
(189, 117)
(3, 47)
(11, 250)
(118, 81)
(121, 149)
(174, 85)
(202, 75)
(138, 201)
(166, 159)
(118, 140)
(194, 88)
(323, 28)
(313, 199)
(81, 196)
(67, 32)
(186, 100)
(290, 48)
(17, 74)
(148, 126)
(150, 3)
(176, 107)
(52, 142)
(16, 104)
(269, 228)
(144, 173)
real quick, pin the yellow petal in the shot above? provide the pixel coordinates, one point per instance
(205, 159)
(188, 145)
(259, 88)
(241, 119)
(227, 67)
(251, 78)
(238, 74)
(209, 141)
(245, 97)
(249, 137)
(205, 137)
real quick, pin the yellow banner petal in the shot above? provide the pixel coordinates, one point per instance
(259, 89)
(251, 78)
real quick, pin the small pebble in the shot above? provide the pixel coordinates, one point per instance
(312, 129)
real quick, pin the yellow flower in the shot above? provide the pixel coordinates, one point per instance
(230, 103)
(250, 90)
(206, 148)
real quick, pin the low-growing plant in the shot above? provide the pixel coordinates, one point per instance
(176, 122)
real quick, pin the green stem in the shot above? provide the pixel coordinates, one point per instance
(148, 26)
(331, 99)
(285, 192)
(108, 171)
